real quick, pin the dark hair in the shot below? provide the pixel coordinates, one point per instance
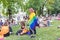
(22, 23)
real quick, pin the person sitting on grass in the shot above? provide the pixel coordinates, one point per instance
(44, 22)
(4, 30)
(23, 29)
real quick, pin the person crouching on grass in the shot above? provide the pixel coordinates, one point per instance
(23, 29)
(32, 22)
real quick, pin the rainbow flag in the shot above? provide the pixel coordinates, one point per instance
(32, 20)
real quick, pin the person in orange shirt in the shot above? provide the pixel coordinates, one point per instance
(3, 30)
(1, 35)
(23, 29)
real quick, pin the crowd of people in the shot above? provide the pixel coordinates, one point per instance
(33, 21)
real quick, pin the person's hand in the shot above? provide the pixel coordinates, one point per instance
(21, 33)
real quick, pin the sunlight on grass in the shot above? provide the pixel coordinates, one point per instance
(46, 33)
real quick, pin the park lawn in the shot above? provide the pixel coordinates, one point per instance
(43, 33)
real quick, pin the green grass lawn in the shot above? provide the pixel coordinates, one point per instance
(44, 33)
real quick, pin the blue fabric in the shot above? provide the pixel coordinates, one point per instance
(28, 32)
(33, 24)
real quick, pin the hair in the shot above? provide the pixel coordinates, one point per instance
(22, 23)
(31, 9)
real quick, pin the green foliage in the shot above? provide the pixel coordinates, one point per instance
(13, 5)
(49, 4)
(56, 7)
(57, 4)
(38, 6)
(34, 4)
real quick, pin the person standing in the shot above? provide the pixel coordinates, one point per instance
(32, 22)
(1, 23)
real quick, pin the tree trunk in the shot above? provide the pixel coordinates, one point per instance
(42, 9)
(40, 12)
(10, 14)
(49, 12)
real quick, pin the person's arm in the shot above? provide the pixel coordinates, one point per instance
(24, 31)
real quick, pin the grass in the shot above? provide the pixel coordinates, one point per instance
(46, 33)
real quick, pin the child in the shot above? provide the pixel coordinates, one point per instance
(23, 29)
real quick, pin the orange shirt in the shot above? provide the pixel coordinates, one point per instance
(4, 30)
(24, 31)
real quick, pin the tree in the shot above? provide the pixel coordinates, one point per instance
(11, 6)
(39, 5)
(56, 7)
(49, 5)
(36, 5)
